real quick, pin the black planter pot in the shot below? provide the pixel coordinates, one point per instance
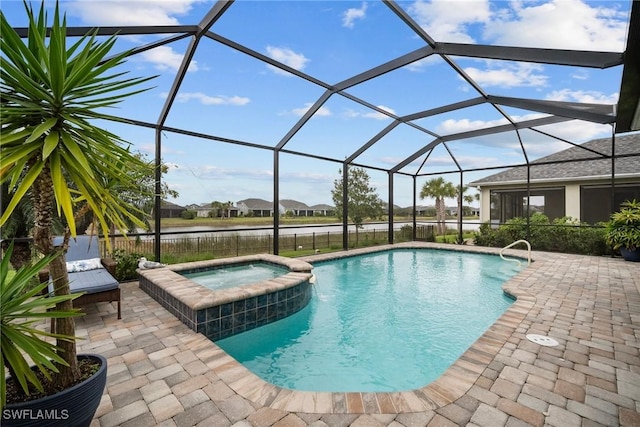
(630, 255)
(73, 407)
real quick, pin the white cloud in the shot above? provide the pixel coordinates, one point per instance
(452, 126)
(211, 100)
(127, 12)
(288, 57)
(509, 75)
(449, 20)
(171, 165)
(307, 177)
(370, 114)
(211, 172)
(586, 96)
(536, 144)
(469, 162)
(377, 115)
(577, 131)
(165, 58)
(560, 24)
(423, 63)
(580, 75)
(352, 14)
(322, 111)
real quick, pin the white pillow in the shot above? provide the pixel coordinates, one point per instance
(84, 265)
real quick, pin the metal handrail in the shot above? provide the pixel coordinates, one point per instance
(516, 260)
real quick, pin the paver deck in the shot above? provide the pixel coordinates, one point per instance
(162, 373)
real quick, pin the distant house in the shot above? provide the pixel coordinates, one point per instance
(577, 189)
(296, 207)
(425, 210)
(323, 210)
(206, 210)
(470, 210)
(170, 210)
(202, 210)
(257, 207)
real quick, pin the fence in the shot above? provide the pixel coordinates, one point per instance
(212, 245)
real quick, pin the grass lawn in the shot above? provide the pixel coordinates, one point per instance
(268, 221)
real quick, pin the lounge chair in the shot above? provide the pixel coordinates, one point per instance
(88, 273)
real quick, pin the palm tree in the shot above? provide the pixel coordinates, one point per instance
(52, 152)
(216, 207)
(439, 189)
(468, 198)
(227, 208)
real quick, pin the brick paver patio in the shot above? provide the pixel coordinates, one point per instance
(162, 373)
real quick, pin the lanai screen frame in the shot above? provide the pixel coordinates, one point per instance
(557, 111)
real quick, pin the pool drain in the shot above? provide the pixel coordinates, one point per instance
(542, 340)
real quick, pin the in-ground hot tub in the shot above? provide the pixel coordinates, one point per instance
(224, 312)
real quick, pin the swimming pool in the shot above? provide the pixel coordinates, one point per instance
(387, 321)
(229, 276)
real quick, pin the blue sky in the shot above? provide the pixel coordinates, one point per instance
(231, 95)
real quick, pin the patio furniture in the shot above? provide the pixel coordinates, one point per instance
(88, 273)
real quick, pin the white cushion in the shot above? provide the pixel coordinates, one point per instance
(84, 265)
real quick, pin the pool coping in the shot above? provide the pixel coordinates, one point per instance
(197, 296)
(450, 386)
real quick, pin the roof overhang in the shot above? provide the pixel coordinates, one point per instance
(628, 115)
(607, 178)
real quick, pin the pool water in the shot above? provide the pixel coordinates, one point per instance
(231, 276)
(388, 321)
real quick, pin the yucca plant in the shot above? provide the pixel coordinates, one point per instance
(52, 90)
(21, 305)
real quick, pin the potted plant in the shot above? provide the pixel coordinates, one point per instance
(52, 89)
(623, 230)
(33, 399)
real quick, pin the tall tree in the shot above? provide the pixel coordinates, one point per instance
(468, 198)
(362, 199)
(439, 190)
(51, 90)
(216, 209)
(226, 207)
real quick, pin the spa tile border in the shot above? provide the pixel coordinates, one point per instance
(221, 313)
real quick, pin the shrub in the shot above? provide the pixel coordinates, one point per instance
(127, 264)
(562, 235)
(188, 214)
(406, 232)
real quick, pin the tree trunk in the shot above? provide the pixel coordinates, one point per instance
(440, 216)
(42, 194)
(21, 254)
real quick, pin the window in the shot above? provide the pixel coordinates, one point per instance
(595, 203)
(507, 204)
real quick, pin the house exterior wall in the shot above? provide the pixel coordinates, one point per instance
(572, 200)
(485, 204)
(572, 193)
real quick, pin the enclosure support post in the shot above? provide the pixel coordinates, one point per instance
(345, 203)
(612, 201)
(460, 208)
(158, 196)
(390, 238)
(415, 224)
(528, 201)
(276, 203)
